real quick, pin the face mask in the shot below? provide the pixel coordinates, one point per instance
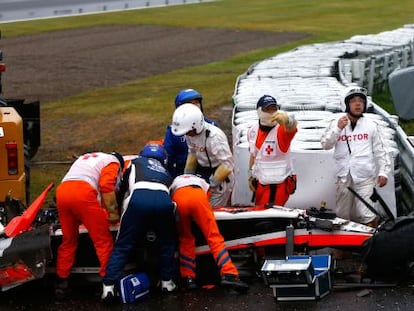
(265, 117)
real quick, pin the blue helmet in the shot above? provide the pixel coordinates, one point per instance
(155, 151)
(186, 96)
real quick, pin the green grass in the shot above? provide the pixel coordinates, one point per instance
(145, 106)
(329, 20)
(383, 98)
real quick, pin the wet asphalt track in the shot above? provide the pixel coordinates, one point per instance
(38, 295)
(18, 10)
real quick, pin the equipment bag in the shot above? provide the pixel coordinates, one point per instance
(134, 287)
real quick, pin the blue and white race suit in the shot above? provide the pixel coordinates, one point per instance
(147, 207)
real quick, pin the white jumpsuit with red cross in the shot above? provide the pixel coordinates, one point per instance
(272, 163)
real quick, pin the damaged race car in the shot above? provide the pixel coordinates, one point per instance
(29, 242)
(24, 247)
(253, 234)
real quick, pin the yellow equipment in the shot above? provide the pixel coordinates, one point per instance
(12, 171)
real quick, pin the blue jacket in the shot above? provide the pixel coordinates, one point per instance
(150, 209)
(151, 170)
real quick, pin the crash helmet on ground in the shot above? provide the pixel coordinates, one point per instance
(350, 92)
(265, 101)
(155, 151)
(186, 118)
(120, 158)
(186, 96)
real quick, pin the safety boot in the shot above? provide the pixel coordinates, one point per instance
(62, 289)
(168, 286)
(230, 280)
(190, 283)
(108, 292)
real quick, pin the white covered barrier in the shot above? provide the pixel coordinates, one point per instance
(308, 82)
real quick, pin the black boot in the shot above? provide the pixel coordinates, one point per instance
(230, 280)
(62, 289)
(189, 283)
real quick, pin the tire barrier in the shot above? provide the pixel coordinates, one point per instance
(308, 82)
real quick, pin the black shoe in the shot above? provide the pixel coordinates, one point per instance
(62, 289)
(230, 280)
(190, 283)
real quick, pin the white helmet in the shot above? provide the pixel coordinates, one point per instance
(187, 117)
(352, 91)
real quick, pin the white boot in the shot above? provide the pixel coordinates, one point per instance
(168, 286)
(108, 292)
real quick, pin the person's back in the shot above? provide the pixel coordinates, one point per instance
(88, 167)
(88, 188)
(150, 170)
(189, 192)
(147, 207)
